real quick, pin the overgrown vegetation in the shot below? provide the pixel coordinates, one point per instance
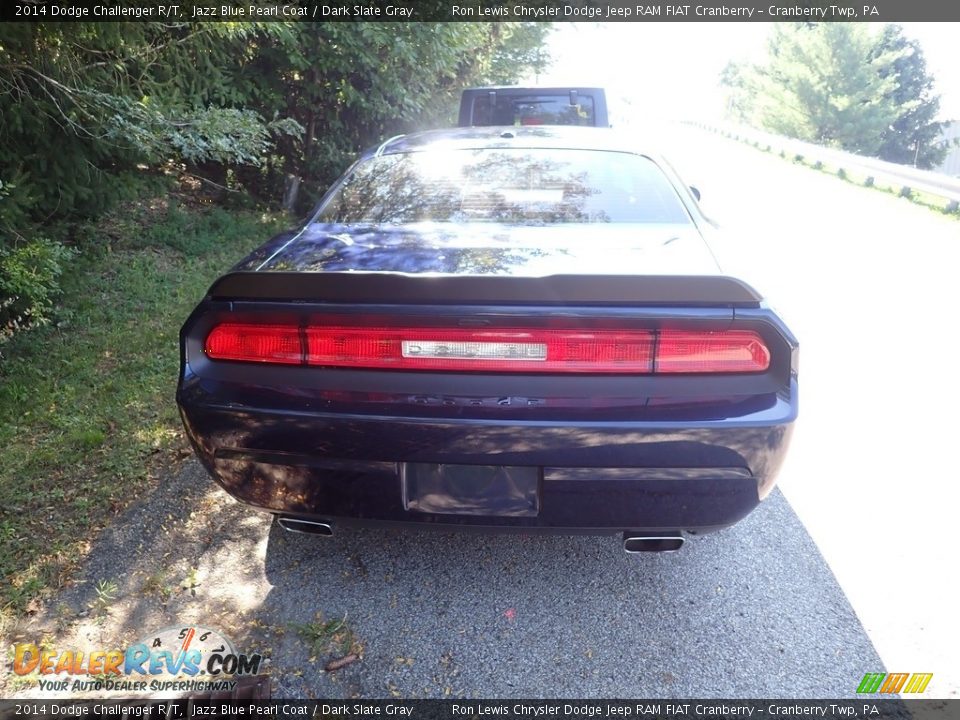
(86, 401)
(842, 85)
(90, 113)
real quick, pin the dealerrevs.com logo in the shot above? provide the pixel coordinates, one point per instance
(177, 659)
(893, 683)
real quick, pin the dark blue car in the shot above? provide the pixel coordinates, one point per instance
(510, 329)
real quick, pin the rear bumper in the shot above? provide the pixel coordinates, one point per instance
(594, 477)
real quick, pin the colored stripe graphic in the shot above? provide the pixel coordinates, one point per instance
(894, 682)
(918, 682)
(871, 682)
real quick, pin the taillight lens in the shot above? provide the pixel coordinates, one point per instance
(732, 351)
(520, 350)
(525, 350)
(255, 343)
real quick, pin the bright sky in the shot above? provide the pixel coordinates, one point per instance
(670, 70)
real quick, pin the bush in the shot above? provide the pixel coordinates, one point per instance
(29, 281)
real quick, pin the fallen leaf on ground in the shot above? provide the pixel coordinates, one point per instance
(341, 662)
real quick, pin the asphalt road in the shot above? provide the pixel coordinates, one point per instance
(755, 610)
(750, 612)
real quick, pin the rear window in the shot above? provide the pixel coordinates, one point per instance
(510, 186)
(532, 110)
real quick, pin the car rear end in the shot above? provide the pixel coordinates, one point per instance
(652, 417)
(339, 381)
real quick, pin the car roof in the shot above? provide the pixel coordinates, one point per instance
(529, 136)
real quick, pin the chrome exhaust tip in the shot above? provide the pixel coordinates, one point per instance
(305, 527)
(652, 542)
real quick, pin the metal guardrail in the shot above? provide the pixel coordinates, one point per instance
(902, 178)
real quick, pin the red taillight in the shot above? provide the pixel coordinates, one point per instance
(255, 343)
(733, 351)
(515, 350)
(523, 350)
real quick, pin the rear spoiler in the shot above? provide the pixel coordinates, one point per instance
(394, 288)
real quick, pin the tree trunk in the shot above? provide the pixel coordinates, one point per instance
(292, 186)
(290, 192)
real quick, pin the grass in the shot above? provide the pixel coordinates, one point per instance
(106, 595)
(933, 202)
(328, 636)
(87, 409)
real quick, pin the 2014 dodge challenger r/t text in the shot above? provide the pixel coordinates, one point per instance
(511, 329)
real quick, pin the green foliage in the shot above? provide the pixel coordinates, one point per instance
(839, 84)
(86, 404)
(88, 110)
(29, 282)
(820, 84)
(327, 636)
(191, 233)
(86, 105)
(520, 46)
(17, 200)
(220, 135)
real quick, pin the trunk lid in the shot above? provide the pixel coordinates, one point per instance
(442, 263)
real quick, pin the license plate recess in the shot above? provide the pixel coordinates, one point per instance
(492, 490)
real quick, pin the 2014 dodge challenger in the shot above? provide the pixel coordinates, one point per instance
(510, 329)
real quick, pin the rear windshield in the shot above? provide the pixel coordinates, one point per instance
(532, 110)
(512, 186)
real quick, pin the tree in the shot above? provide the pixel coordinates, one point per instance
(519, 49)
(84, 104)
(912, 138)
(735, 77)
(824, 83)
(87, 110)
